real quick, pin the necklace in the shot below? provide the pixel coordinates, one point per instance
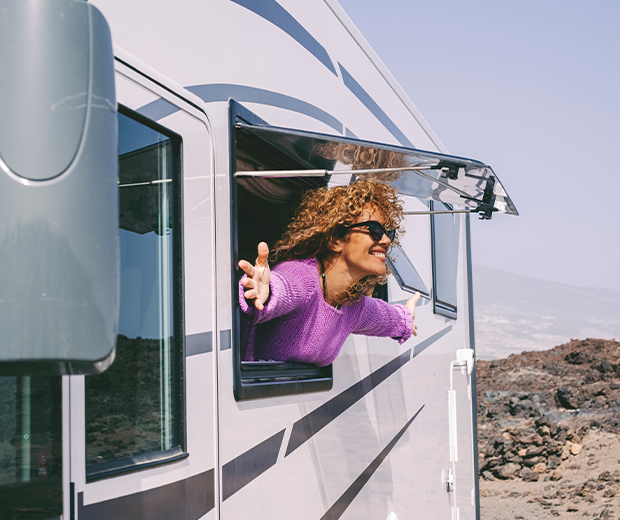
(323, 281)
(324, 285)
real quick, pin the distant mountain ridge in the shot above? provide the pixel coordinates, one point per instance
(514, 313)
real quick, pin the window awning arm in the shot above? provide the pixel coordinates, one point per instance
(323, 173)
(484, 211)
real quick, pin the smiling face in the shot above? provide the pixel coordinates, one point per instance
(361, 254)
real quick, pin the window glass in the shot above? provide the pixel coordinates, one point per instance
(445, 243)
(133, 409)
(30, 447)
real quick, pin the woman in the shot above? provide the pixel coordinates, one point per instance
(329, 259)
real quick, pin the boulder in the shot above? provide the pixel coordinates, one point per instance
(541, 467)
(534, 451)
(507, 471)
(527, 475)
(575, 449)
(567, 397)
(553, 462)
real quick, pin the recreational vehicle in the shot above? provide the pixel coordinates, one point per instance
(145, 148)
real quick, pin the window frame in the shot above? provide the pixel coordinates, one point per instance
(441, 307)
(138, 462)
(251, 379)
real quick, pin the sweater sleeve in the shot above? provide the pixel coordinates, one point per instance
(290, 288)
(379, 318)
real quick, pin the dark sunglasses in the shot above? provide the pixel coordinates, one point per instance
(375, 229)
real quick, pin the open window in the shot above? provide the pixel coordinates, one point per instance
(271, 167)
(261, 210)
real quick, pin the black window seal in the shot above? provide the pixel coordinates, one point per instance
(256, 380)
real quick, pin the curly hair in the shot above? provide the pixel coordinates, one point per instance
(320, 219)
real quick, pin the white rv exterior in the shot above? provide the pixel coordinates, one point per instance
(395, 435)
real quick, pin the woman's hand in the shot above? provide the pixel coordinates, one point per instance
(257, 282)
(411, 306)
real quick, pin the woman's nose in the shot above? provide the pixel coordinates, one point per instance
(385, 240)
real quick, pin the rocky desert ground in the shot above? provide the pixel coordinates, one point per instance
(548, 428)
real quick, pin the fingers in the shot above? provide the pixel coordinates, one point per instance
(252, 295)
(411, 303)
(247, 267)
(263, 254)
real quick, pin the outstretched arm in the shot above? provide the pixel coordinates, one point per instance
(256, 284)
(379, 318)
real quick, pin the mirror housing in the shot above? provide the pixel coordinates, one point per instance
(59, 249)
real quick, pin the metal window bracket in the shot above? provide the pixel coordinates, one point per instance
(485, 207)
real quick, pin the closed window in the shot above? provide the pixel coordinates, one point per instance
(30, 447)
(445, 247)
(134, 409)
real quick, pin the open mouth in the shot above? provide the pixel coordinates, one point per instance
(378, 254)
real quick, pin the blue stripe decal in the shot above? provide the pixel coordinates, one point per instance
(371, 105)
(216, 92)
(281, 18)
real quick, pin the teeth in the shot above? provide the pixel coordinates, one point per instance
(382, 255)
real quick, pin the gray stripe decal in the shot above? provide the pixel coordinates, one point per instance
(189, 499)
(281, 18)
(198, 343)
(224, 91)
(339, 507)
(203, 342)
(217, 92)
(158, 109)
(371, 105)
(243, 469)
(316, 420)
(225, 339)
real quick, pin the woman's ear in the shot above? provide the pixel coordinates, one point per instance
(335, 246)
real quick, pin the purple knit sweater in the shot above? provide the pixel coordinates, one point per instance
(298, 325)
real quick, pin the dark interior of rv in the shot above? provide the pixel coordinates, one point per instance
(263, 208)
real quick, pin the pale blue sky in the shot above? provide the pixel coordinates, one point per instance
(533, 89)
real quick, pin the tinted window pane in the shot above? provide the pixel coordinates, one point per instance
(30, 447)
(133, 408)
(445, 260)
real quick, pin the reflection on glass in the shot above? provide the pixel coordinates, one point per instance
(132, 409)
(465, 185)
(405, 273)
(30, 447)
(445, 243)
